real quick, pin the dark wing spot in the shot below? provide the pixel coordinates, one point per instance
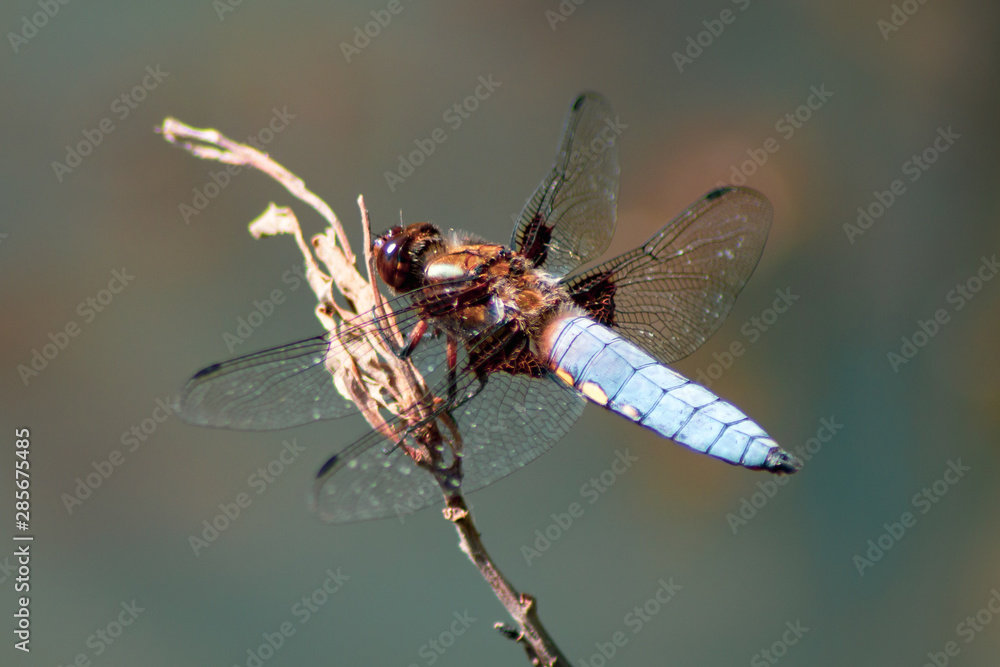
(208, 370)
(596, 295)
(522, 363)
(540, 234)
(716, 193)
(326, 466)
(514, 358)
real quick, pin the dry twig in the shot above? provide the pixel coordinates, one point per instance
(371, 375)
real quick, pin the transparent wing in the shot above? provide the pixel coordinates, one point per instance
(506, 409)
(571, 217)
(289, 385)
(505, 422)
(512, 422)
(278, 388)
(671, 294)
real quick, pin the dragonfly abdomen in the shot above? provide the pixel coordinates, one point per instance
(619, 375)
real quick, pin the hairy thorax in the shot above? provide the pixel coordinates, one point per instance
(507, 289)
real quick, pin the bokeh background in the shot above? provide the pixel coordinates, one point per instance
(671, 516)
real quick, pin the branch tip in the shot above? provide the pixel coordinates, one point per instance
(371, 375)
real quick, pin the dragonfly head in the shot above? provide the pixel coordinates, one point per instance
(401, 253)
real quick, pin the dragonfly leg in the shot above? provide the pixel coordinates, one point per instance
(412, 339)
(452, 353)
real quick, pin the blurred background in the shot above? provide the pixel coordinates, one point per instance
(870, 126)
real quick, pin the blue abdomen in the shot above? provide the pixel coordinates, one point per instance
(619, 375)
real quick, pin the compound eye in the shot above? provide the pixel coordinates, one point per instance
(381, 240)
(391, 259)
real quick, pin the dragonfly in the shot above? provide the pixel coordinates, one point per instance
(515, 340)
